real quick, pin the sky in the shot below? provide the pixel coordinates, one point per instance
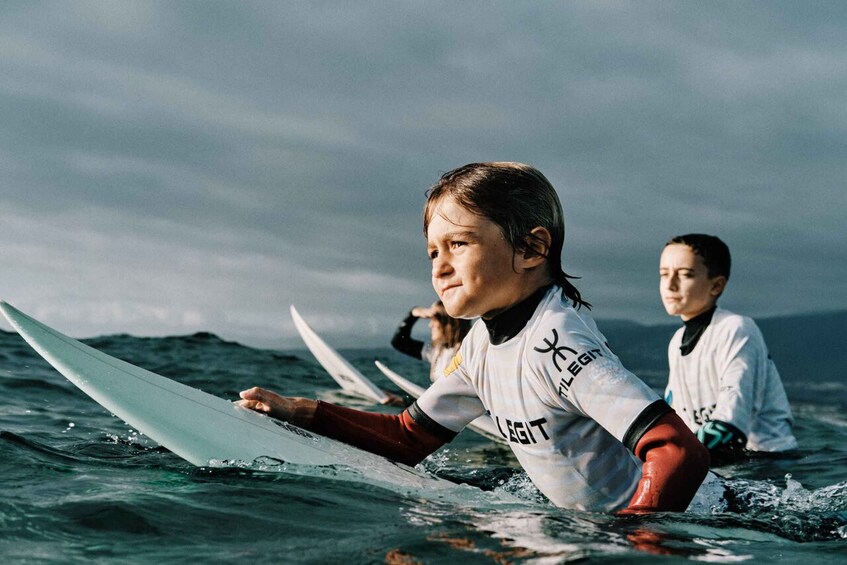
(174, 167)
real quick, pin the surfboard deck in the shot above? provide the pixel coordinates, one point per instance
(483, 425)
(203, 429)
(345, 374)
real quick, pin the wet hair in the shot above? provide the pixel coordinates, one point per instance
(713, 251)
(454, 329)
(516, 197)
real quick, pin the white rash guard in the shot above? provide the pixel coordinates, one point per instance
(730, 377)
(439, 359)
(571, 412)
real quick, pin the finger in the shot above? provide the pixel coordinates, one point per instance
(254, 393)
(254, 405)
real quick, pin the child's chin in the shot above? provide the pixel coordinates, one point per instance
(672, 309)
(455, 310)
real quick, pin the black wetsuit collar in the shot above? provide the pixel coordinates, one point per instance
(507, 324)
(694, 329)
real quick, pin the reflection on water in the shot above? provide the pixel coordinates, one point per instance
(98, 490)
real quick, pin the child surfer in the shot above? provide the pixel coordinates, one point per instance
(446, 334)
(722, 380)
(589, 434)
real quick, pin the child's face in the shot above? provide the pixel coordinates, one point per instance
(684, 282)
(436, 330)
(473, 269)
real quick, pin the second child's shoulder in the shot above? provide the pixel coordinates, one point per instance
(734, 324)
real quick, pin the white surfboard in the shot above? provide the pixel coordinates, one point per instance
(199, 427)
(483, 425)
(345, 374)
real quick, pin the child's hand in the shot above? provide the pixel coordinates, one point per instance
(421, 312)
(298, 411)
(425, 311)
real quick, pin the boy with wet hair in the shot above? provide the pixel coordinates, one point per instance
(589, 434)
(722, 381)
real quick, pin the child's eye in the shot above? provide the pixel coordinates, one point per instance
(457, 243)
(433, 253)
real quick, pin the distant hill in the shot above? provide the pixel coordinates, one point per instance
(642, 349)
(808, 349)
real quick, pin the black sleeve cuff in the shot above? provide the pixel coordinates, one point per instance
(644, 422)
(433, 427)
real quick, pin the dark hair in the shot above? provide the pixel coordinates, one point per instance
(454, 329)
(711, 249)
(516, 197)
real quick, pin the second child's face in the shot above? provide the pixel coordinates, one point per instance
(472, 263)
(684, 282)
(436, 331)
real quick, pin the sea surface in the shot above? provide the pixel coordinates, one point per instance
(80, 486)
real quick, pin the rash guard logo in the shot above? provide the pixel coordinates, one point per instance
(574, 367)
(454, 364)
(521, 432)
(557, 351)
(701, 415)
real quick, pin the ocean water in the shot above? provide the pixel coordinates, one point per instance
(79, 486)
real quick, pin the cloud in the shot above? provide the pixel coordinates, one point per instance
(177, 166)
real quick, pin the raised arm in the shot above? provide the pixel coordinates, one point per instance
(402, 340)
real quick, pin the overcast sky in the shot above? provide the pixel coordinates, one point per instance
(173, 167)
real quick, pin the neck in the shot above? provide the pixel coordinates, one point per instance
(508, 323)
(529, 290)
(709, 308)
(694, 328)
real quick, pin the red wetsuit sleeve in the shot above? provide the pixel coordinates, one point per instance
(675, 464)
(395, 436)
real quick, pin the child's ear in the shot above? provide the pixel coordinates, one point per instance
(718, 285)
(537, 247)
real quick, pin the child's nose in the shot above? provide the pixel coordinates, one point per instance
(440, 267)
